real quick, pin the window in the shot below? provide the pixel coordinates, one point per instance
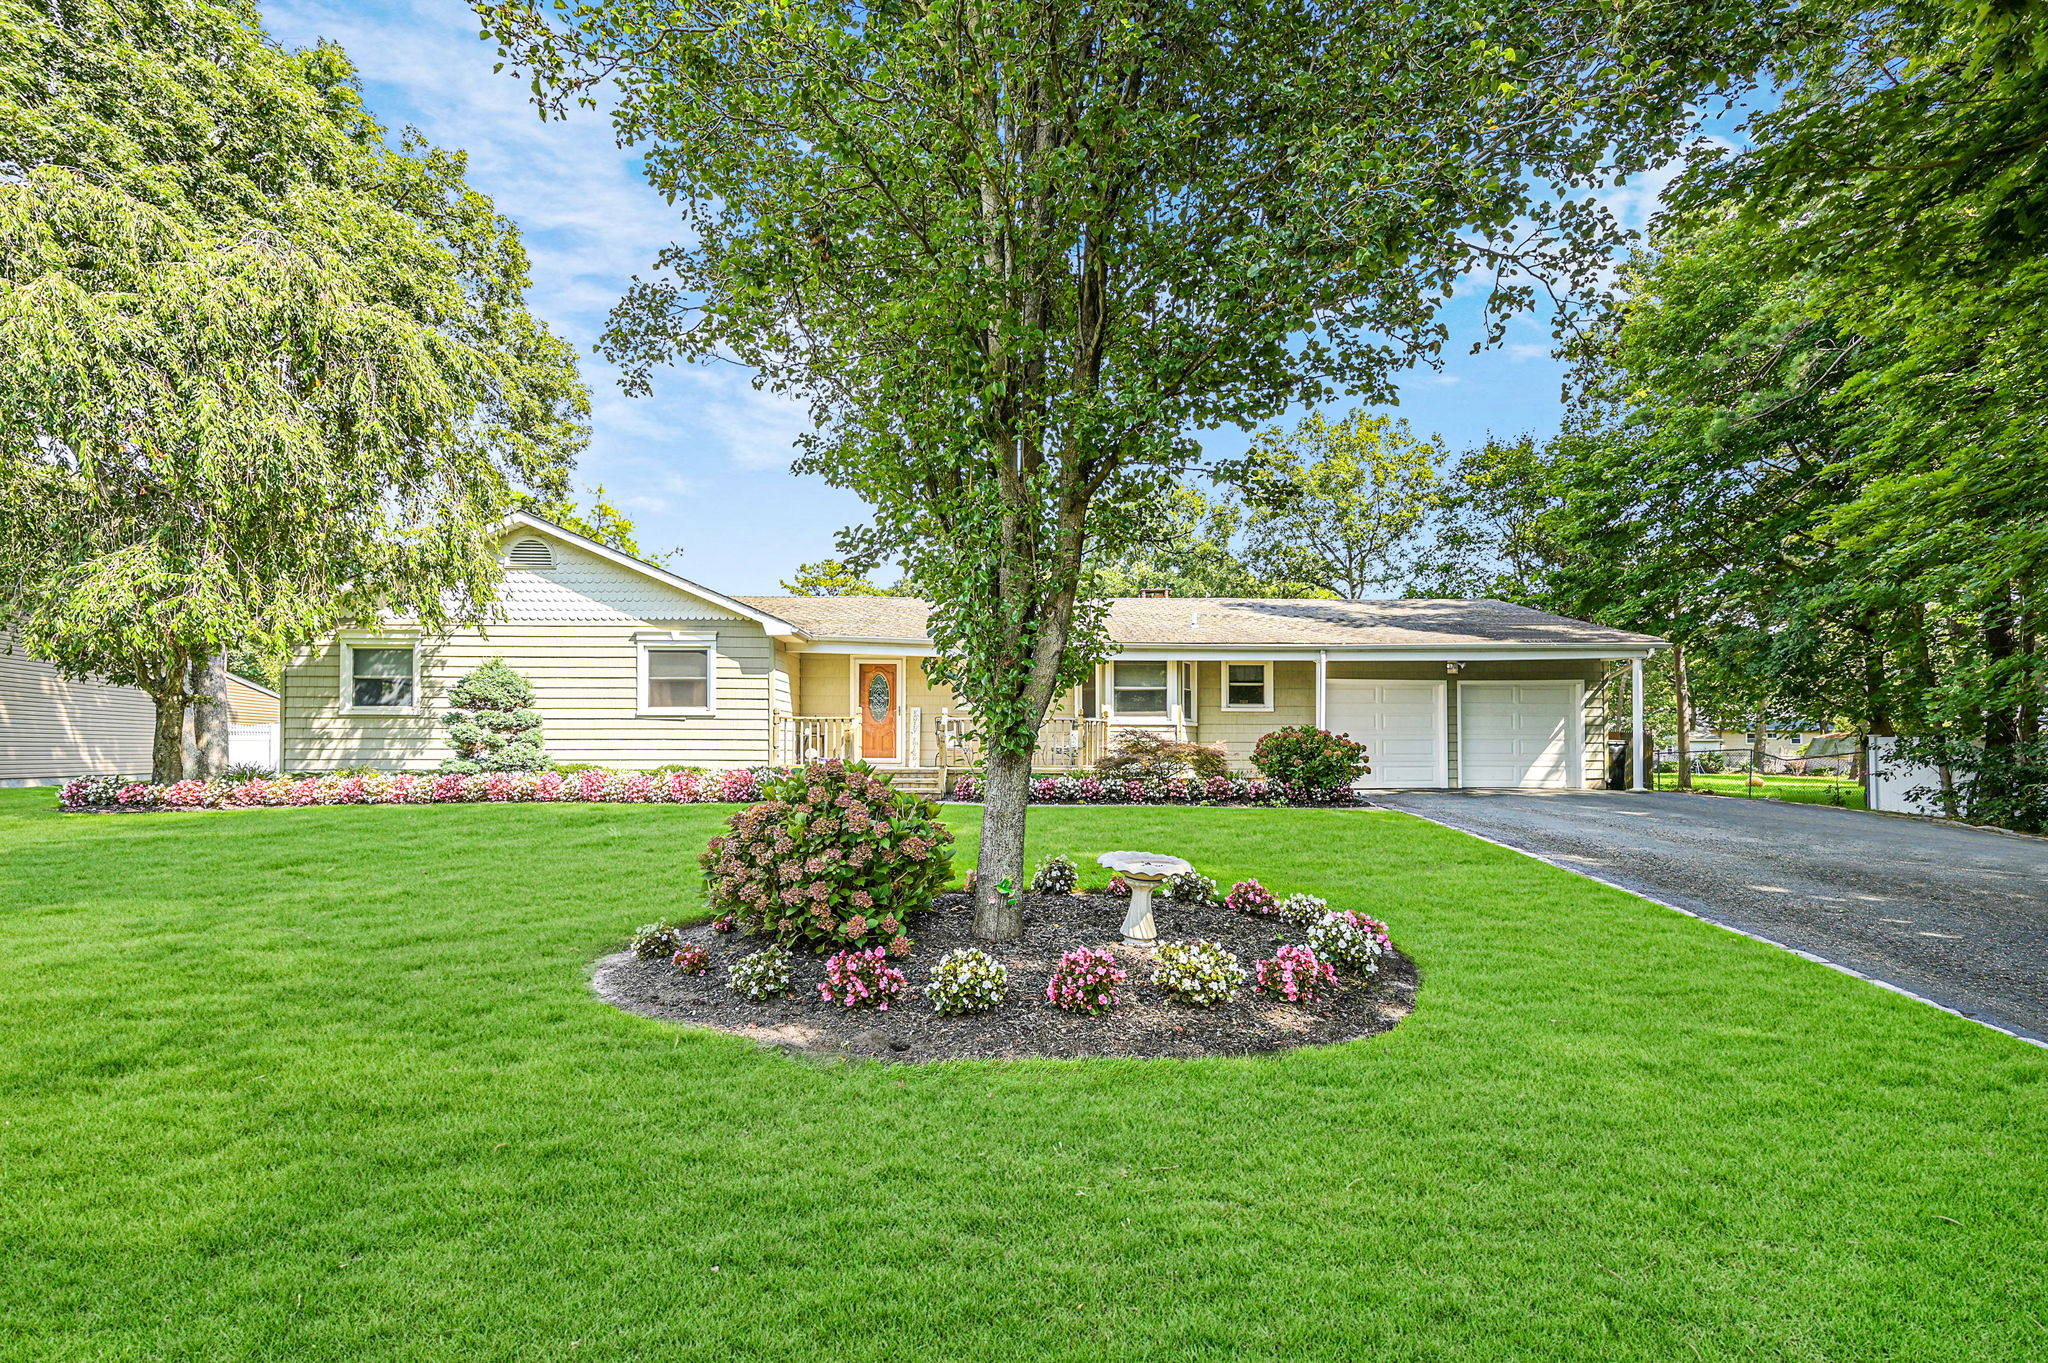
(678, 679)
(379, 675)
(1187, 693)
(1247, 686)
(1138, 688)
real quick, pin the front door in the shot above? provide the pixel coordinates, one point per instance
(876, 693)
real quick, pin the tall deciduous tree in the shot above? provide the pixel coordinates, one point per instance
(1013, 252)
(1335, 503)
(260, 370)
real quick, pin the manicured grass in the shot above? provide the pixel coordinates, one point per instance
(329, 1084)
(1805, 790)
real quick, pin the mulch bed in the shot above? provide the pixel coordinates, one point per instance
(1147, 1024)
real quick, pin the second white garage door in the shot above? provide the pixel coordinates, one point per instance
(1519, 734)
(1401, 724)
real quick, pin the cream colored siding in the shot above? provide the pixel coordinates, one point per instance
(250, 704)
(53, 730)
(1293, 686)
(822, 684)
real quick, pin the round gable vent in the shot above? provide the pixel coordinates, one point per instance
(531, 553)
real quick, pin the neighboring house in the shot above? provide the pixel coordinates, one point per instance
(633, 666)
(54, 730)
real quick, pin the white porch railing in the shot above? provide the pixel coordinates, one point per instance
(815, 738)
(1064, 744)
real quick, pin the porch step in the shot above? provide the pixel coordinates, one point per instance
(916, 780)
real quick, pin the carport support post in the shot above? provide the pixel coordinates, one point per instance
(1322, 688)
(1635, 733)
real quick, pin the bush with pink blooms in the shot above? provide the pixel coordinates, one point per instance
(1253, 899)
(862, 979)
(1104, 790)
(1296, 974)
(691, 959)
(835, 857)
(1085, 981)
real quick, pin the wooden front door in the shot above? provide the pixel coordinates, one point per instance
(877, 692)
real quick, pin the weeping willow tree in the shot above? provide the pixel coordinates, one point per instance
(261, 370)
(1014, 254)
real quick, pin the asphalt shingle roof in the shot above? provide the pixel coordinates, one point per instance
(1152, 621)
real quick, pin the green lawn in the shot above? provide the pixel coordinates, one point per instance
(1806, 790)
(329, 1084)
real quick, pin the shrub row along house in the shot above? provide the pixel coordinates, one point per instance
(633, 666)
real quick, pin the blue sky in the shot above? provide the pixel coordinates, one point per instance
(703, 463)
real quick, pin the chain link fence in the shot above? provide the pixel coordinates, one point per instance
(1834, 778)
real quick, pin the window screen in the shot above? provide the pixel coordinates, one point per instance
(678, 679)
(1140, 689)
(380, 678)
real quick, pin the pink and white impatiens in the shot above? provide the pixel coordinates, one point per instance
(1296, 974)
(1085, 981)
(862, 979)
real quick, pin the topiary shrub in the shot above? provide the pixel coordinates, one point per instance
(1296, 974)
(1310, 764)
(1085, 981)
(493, 725)
(1351, 940)
(1251, 898)
(1057, 874)
(967, 981)
(1200, 973)
(834, 857)
(1191, 888)
(862, 979)
(1302, 910)
(762, 975)
(1140, 754)
(657, 940)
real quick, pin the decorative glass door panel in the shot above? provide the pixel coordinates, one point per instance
(876, 691)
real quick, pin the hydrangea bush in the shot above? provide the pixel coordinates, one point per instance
(1057, 874)
(691, 959)
(1191, 888)
(761, 975)
(657, 940)
(862, 979)
(1085, 981)
(834, 857)
(101, 793)
(1302, 910)
(1310, 765)
(967, 981)
(1102, 790)
(1351, 940)
(1251, 898)
(1295, 973)
(1200, 973)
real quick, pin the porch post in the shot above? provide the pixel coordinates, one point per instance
(1635, 703)
(1322, 686)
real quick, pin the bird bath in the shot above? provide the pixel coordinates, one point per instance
(1144, 872)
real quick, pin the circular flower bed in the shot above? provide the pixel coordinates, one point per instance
(1067, 988)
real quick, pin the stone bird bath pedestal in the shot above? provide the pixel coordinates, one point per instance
(1144, 872)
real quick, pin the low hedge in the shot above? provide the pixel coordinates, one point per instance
(740, 785)
(1173, 790)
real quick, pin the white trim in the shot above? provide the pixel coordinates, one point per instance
(1265, 666)
(1140, 717)
(1575, 774)
(399, 638)
(856, 707)
(775, 625)
(1322, 688)
(646, 640)
(256, 686)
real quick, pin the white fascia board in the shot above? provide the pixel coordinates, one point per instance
(891, 648)
(1387, 653)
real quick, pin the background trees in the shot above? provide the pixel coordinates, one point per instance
(260, 370)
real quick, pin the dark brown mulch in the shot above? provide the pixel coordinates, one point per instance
(1147, 1024)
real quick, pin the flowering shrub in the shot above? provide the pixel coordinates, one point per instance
(691, 960)
(1297, 974)
(762, 975)
(1191, 888)
(1302, 910)
(1057, 874)
(862, 979)
(1085, 981)
(387, 788)
(1350, 939)
(1314, 766)
(1098, 790)
(657, 940)
(967, 981)
(834, 857)
(1250, 897)
(1119, 887)
(1200, 973)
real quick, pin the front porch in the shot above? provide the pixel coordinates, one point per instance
(927, 752)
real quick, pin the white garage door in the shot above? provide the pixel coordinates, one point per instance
(1519, 734)
(1401, 725)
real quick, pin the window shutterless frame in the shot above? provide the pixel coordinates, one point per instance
(669, 671)
(1241, 680)
(380, 674)
(1135, 682)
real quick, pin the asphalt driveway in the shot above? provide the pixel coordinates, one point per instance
(1954, 915)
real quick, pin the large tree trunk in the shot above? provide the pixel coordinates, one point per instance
(208, 756)
(1008, 791)
(1681, 686)
(167, 753)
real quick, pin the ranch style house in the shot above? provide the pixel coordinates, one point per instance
(635, 667)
